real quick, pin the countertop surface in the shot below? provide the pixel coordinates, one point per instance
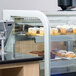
(19, 58)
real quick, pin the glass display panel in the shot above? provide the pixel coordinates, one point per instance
(63, 49)
(22, 40)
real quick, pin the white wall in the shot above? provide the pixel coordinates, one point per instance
(43, 5)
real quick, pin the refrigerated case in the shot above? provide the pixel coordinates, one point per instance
(66, 41)
(41, 42)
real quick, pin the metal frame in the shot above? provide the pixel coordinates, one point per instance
(3, 38)
(30, 13)
(2, 47)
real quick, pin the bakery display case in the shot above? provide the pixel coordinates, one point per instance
(63, 42)
(53, 37)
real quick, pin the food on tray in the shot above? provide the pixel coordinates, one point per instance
(74, 30)
(67, 29)
(39, 53)
(57, 30)
(61, 53)
(54, 31)
(38, 32)
(63, 30)
(30, 31)
(42, 31)
(70, 55)
(34, 31)
(64, 53)
(51, 31)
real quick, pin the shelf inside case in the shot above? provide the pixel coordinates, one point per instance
(61, 66)
(57, 38)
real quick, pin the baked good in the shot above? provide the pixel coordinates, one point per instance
(70, 55)
(65, 29)
(51, 31)
(69, 29)
(38, 31)
(62, 29)
(42, 31)
(61, 53)
(30, 31)
(39, 53)
(54, 31)
(74, 30)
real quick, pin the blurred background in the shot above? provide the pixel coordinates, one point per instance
(43, 5)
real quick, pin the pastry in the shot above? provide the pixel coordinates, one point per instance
(65, 29)
(39, 53)
(74, 30)
(62, 29)
(42, 31)
(51, 31)
(38, 31)
(70, 55)
(54, 31)
(69, 29)
(34, 31)
(61, 53)
(30, 31)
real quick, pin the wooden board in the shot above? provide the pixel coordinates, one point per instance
(20, 69)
